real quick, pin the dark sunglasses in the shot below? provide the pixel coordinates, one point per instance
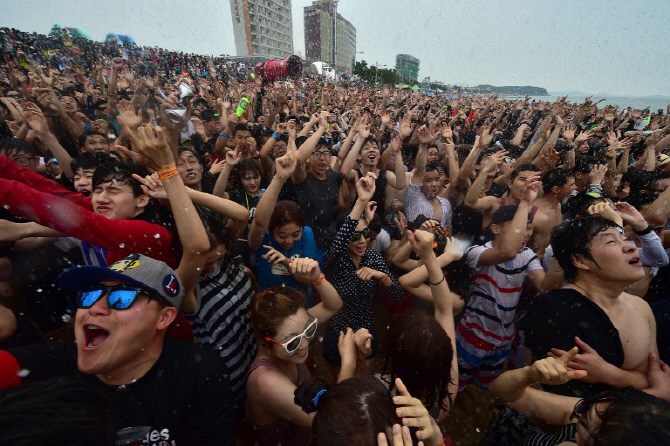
(119, 297)
(356, 235)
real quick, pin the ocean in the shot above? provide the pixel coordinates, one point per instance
(622, 101)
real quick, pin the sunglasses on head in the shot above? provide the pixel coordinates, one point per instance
(119, 297)
(293, 344)
(356, 235)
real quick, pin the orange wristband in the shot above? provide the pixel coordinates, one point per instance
(164, 174)
(320, 280)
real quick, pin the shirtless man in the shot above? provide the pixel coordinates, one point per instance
(557, 185)
(615, 331)
(487, 204)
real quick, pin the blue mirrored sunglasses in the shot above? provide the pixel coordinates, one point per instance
(119, 297)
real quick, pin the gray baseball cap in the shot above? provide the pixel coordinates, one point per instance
(136, 269)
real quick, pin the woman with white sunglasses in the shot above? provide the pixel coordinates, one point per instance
(283, 328)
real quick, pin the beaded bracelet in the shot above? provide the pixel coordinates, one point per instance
(164, 174)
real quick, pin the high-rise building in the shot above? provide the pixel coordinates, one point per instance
(329, 37)
(262, 27)
(407, 67)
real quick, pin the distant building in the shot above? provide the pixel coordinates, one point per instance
(407, 67)
(262, 28)
(329, 37)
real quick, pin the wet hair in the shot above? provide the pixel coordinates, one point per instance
(15, 146)
(353, 412)
(376, 223)
(640, 180)
(286, 212)
(556, 177)
(578, 205)
(269, 308)
(244, 166)
(631, 416)
(183, 149)
(637, 200)
(241, 127)
(53, 412)
(120, 172)
(83, 136)
(217, 233)
(523, 168)
(432, 166)
(323, 142)
(88, 160)
(584, 163)
(572, 238)
(419, 351)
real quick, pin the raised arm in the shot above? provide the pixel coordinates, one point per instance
(397, 179)
(347, 169)
(232, 159)
(512, 235)
(152, 146)
(284, 168)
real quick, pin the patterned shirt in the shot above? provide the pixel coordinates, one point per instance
(221, 320)
(355, 293)
(417, 204)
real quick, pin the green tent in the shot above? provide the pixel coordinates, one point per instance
(415, 87)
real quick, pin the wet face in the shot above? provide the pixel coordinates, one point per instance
(110, 342)
(251, 182)
(287, 235)
(115, 200)
(617, 259)
(241, 137)
(565, 190)
(516, 186)
(370, 154)
(431, 184)
(96, 143)
(82, 181)
(69, 104)
(190, 169)
(279, 149)
(319, 159)
(101, 125)
(357, 248)
(213, 126)
(432, 155)
(289, 328)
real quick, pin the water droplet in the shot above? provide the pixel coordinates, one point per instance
(122, 245)
(39, 290)
(157, 235)
(6, 206)
(23, 373)
(66, 318)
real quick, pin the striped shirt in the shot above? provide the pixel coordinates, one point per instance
(495, 290)
(417, 204)
(221, 320)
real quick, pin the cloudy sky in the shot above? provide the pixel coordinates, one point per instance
(600, 46)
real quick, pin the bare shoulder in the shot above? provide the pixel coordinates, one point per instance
(638, 304)
(264, 381)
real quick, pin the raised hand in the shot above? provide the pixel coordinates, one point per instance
(531, 188)
(150, 148)
(630, 216)
(363, 341)
(554, 370)
(152, 186)
(405, 126)
(365, 186)
(370, 211)
(597, 173)
(584, 136)
(306, 269)
(127, 115)
(217, 167)
(285, 166)
(447, 133)
(346, 345)
(421, 242)
(425, 137)
(568, 133)
(414, 414)
(36, 120)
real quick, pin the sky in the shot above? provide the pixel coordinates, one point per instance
(618, 47)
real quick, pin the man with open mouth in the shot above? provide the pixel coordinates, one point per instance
(165, 391)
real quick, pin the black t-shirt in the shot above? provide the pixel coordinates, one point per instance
(185, 398)
(555, 318)
(241, 197)
(317, 199)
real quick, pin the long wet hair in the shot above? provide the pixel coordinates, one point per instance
(420, 353)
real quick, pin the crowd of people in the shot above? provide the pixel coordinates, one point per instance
(182, 241)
